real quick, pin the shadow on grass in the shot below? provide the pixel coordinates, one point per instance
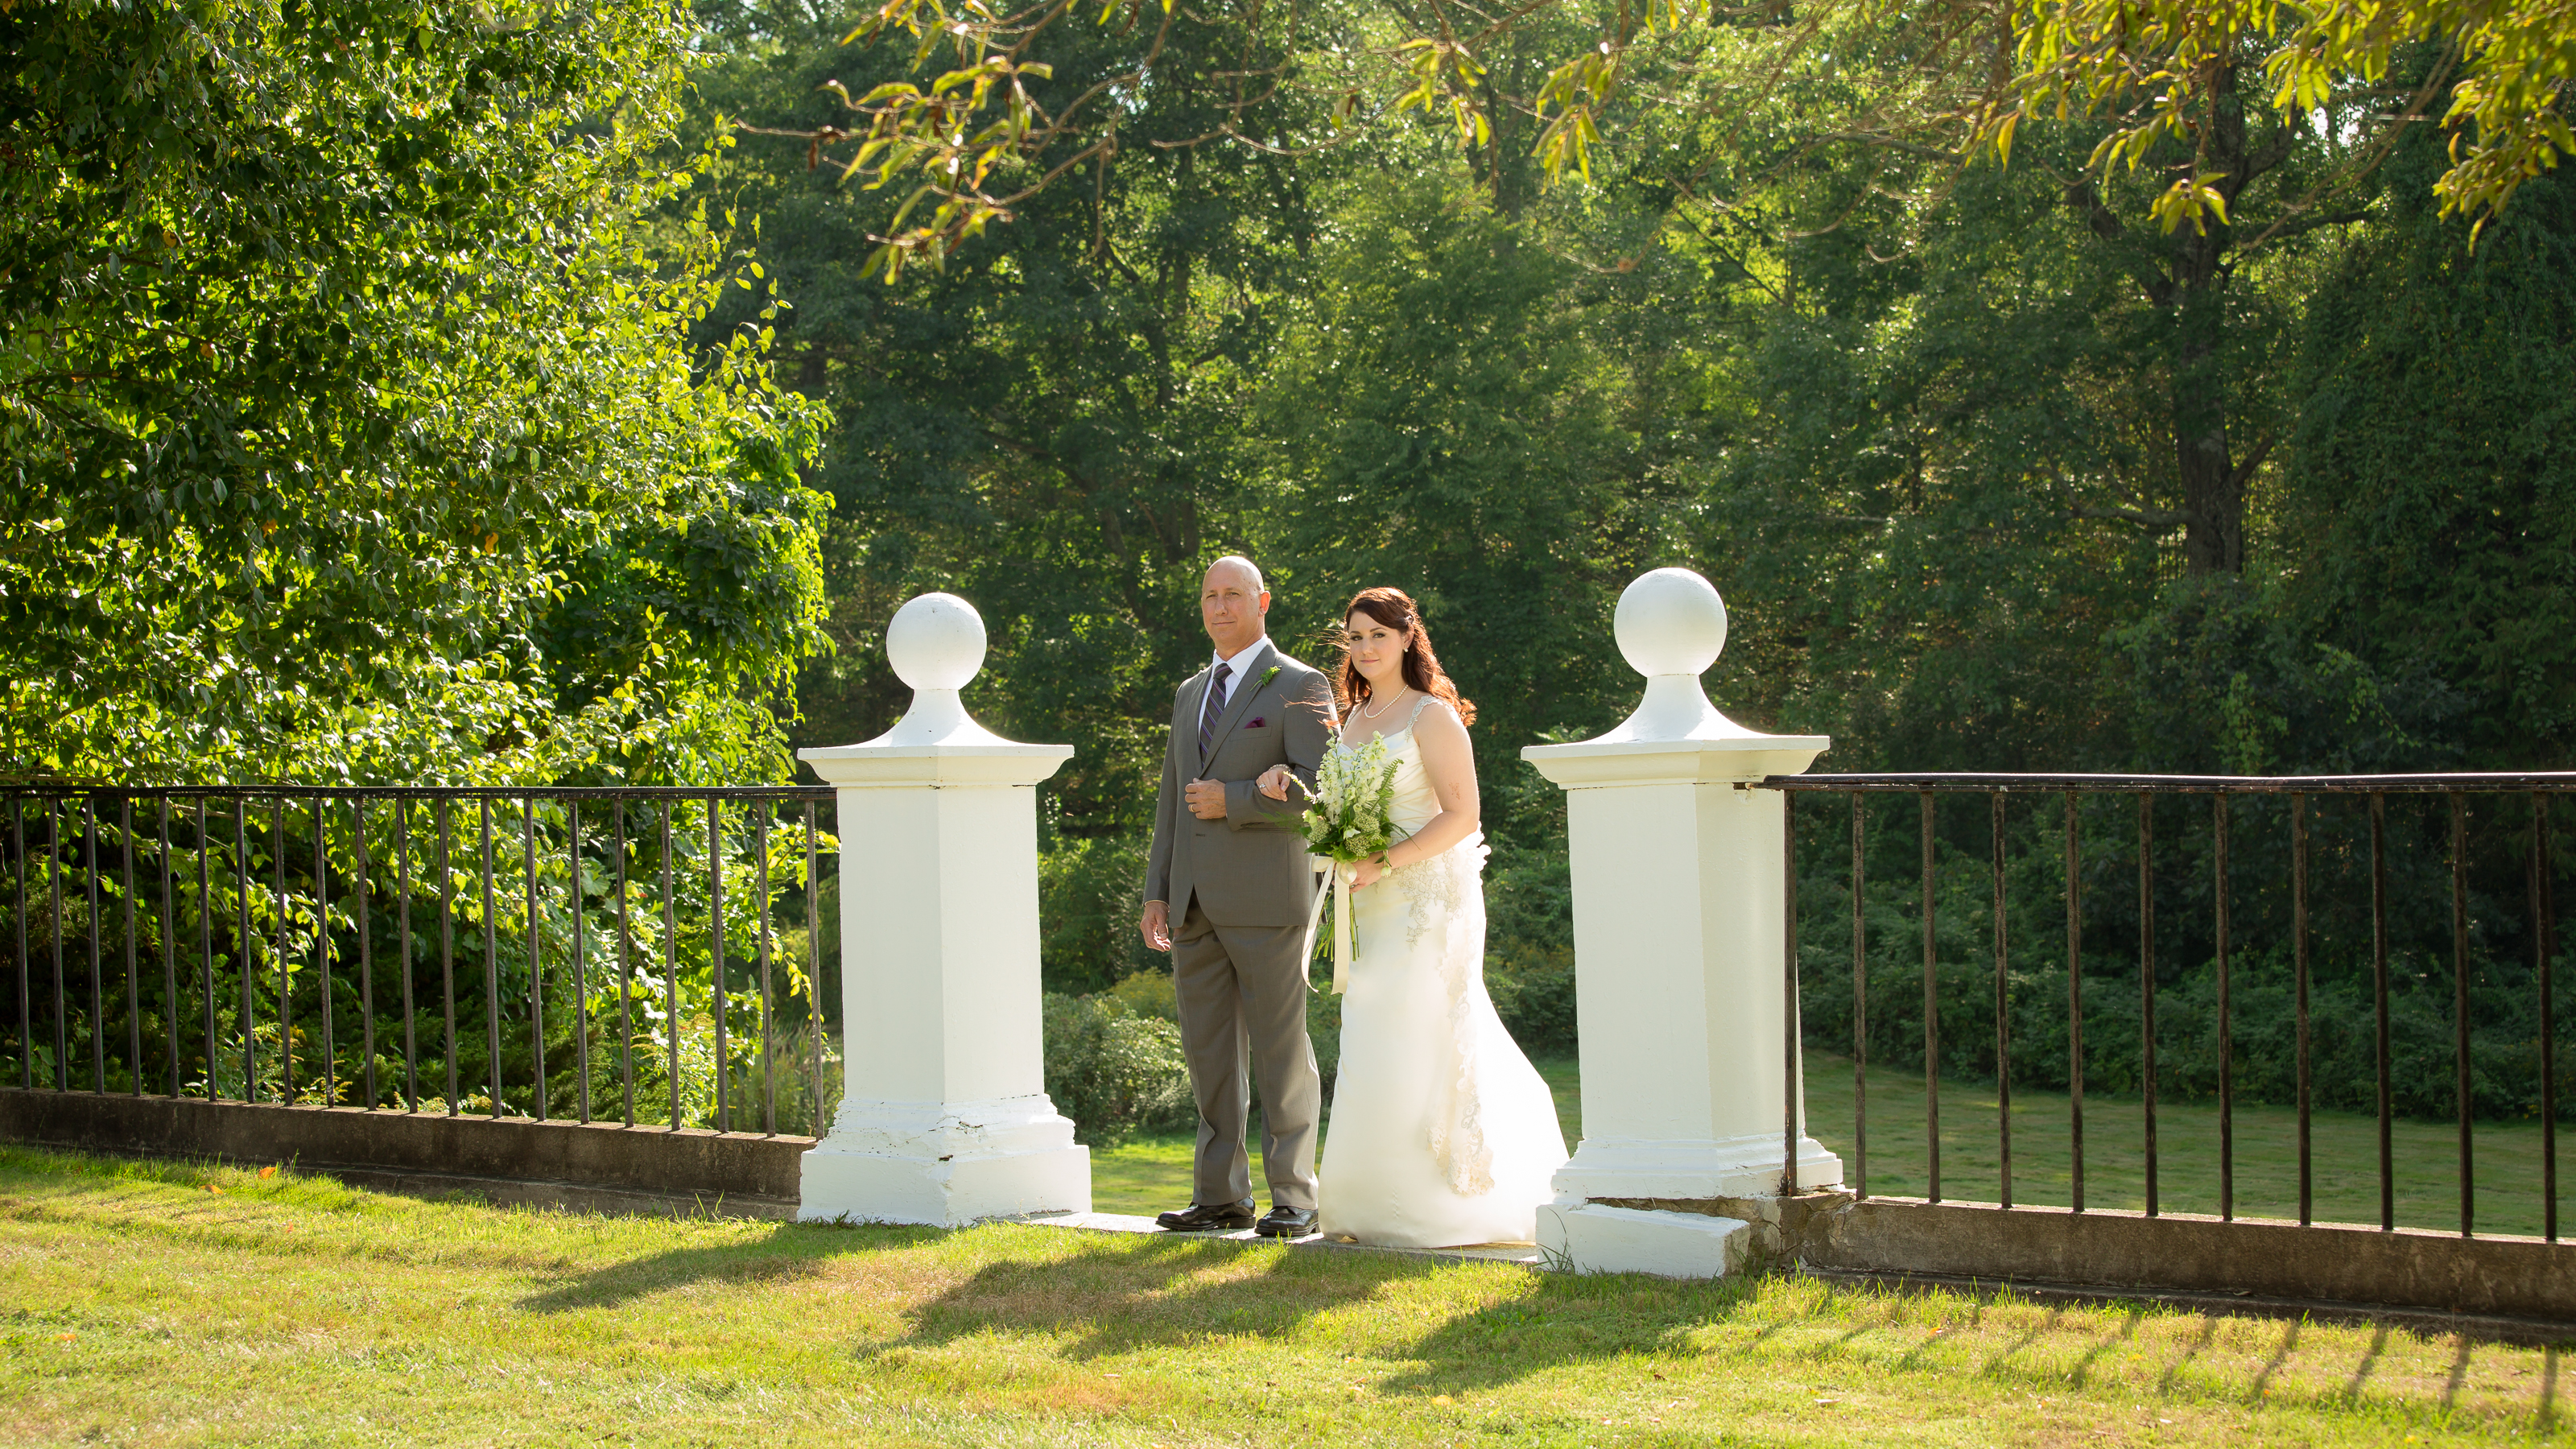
(788, 1251)
(1569, 1319)
(1148, 1293)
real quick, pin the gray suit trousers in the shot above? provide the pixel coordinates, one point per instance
(1238, 986)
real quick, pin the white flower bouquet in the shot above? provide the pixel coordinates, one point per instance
(1351, 818)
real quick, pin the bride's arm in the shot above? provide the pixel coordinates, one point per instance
(1451, 763)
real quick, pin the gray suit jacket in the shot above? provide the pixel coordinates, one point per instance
(1248, 869)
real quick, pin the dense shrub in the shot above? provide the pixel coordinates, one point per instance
(1533, 989)
(2504, 1025)
(1090, 893)
(1149, 993)
(1115, 1073)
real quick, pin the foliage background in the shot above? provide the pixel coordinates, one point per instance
(463, 396)
(352, 432)
(1919, 428)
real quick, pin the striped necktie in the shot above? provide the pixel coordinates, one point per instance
(1215, 707)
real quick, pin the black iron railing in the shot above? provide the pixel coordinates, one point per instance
(2475, 887)
(548, 953)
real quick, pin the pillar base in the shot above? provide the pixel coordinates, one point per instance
(1749, 1166)
(1590, 1237)
(945, 1164)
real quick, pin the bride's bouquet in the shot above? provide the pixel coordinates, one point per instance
(1352, 818)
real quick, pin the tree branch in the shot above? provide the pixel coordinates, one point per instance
(2156, 518)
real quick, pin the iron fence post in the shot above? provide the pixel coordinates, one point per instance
(671, 965)
(366, 952)
(2379, 1002)
(625, 970)
(2460, 1003)
(322, 948)
(285, 955)
(1931, 1020)
(491, 960)
(97, 959)
(2226, 1033)
(26, 962)
(2544, 941)
(1860, 1007)
(536, 958)
(2003, 1019)
(768, 1078)
(716, 962)
(580, 969)
(814, 963)
(169, 945)
(133, 986)
(2147, 984)
(2074, 1005)
(2299, 957)
(1789, 1030)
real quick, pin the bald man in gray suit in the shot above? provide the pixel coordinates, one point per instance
(1228, 890)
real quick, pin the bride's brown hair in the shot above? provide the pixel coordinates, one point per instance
(1396, 610)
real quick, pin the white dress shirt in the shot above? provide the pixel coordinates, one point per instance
(1238, 664)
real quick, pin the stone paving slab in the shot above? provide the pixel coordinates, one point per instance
(1522, 1253)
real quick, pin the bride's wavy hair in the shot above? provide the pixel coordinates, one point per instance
(1396, 610)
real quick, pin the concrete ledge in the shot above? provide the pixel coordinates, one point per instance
(565, 1196)
(2505, 1277)
(593, 1164)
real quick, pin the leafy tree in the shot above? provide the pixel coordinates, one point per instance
(349, 426)
(2432, 495)
(988, 131)
(2172, 72)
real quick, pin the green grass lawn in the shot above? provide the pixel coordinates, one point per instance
(151, 1303)
(2343, 1151)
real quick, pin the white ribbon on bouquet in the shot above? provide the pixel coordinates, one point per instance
(1342, 947)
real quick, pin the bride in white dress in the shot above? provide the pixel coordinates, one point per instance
(1441, 1133)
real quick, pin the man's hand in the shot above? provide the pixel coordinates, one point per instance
(1157, 925)
(1206, 799)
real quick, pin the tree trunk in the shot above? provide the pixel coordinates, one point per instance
(2213, 487)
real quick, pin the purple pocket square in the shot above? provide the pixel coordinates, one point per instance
(1256, 722)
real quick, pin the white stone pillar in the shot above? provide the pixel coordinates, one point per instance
(1680, 938)
(944, 1115)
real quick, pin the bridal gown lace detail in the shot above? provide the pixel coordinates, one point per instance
(1458, 1138)
(1433, 887)
(1442, 1135)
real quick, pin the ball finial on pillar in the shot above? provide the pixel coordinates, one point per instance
(1671, 621)
(936, 642)
(1671, 625)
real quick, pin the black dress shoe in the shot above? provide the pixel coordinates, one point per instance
(1286, 1222)
(1217, 1217)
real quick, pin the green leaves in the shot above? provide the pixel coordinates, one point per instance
(320, 351)
(2160, 70)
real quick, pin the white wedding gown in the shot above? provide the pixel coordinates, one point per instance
(1442, 1134)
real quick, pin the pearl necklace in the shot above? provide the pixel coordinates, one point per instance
(1371, 714)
